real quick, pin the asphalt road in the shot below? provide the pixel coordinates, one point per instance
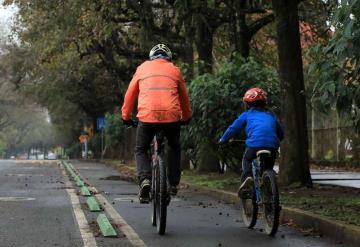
(39, 207)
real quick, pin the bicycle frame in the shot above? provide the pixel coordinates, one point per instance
(157, 146)
(256, 169)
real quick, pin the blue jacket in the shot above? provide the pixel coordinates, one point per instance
(262, 129)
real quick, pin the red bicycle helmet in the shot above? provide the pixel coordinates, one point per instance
(254, 94)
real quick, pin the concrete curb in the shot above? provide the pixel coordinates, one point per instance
(93, 205)
(105, 227)
(326, 227)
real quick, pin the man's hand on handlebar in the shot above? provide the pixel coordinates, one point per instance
(184, 123)
(130, 122)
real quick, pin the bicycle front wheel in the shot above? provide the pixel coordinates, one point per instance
(162, 197)
(271, 206)
(249, 208)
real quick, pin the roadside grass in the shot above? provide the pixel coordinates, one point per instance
(229, 182)
(126, 169)
(334, 202)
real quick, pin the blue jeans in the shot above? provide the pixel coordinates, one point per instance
(144, 135)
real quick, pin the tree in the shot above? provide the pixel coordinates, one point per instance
(217, 101)
(294, 165)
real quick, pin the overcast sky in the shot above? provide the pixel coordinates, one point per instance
(6, 18)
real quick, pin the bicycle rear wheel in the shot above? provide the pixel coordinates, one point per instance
(162, 196)
(249, 208)
(154, 192)
(271, 206)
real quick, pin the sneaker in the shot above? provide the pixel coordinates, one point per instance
(144, 192)
(173, 190)
(246, 186)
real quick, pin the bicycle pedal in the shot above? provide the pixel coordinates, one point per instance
(245, 195)
(144, 200)
(168, 200)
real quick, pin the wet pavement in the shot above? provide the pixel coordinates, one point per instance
(35, 209)
(38, 210)
(193, 219)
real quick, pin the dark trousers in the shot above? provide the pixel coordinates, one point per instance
(144, 136)
(250, 155)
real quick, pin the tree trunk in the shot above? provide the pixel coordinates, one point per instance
(206, 159)
(294, 165)
(204, 45)
(185, 161)
(189, 51)
(243, 46)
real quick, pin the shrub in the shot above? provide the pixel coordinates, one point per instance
(217, 101)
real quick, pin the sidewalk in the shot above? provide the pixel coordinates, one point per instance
(348, 179)
(340, 178)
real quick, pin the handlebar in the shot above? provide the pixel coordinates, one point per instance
(231, 142)
(236, 141)
(134, 124)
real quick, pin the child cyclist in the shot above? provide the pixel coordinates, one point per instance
(263, 131)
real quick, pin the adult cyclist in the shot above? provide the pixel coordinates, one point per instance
(163, 104)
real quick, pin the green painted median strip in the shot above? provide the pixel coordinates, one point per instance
(85, 191)
(105, 227)
(80, 183)
(92, 204)
(71, 166)
(73, 175)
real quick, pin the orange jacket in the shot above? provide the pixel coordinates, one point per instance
(163, 97)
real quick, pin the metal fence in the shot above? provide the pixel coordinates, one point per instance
(337, 144)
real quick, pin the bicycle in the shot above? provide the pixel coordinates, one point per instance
(264, 194)
(159, 194)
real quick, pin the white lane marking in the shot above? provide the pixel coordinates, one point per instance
(41, 162)
(24, 175)
(124, 227)
(136, 199)
(85, 231)
(130, 233)
(16, 199)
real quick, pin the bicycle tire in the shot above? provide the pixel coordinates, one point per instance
(271, 205)
(154, 192)
(249, 209)
(162, 196)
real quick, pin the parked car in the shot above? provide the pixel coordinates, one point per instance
(32, 157)
(51, 156)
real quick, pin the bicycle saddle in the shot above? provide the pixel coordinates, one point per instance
(263, 153)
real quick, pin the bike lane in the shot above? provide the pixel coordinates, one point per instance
(34, 207)
(193, 219)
